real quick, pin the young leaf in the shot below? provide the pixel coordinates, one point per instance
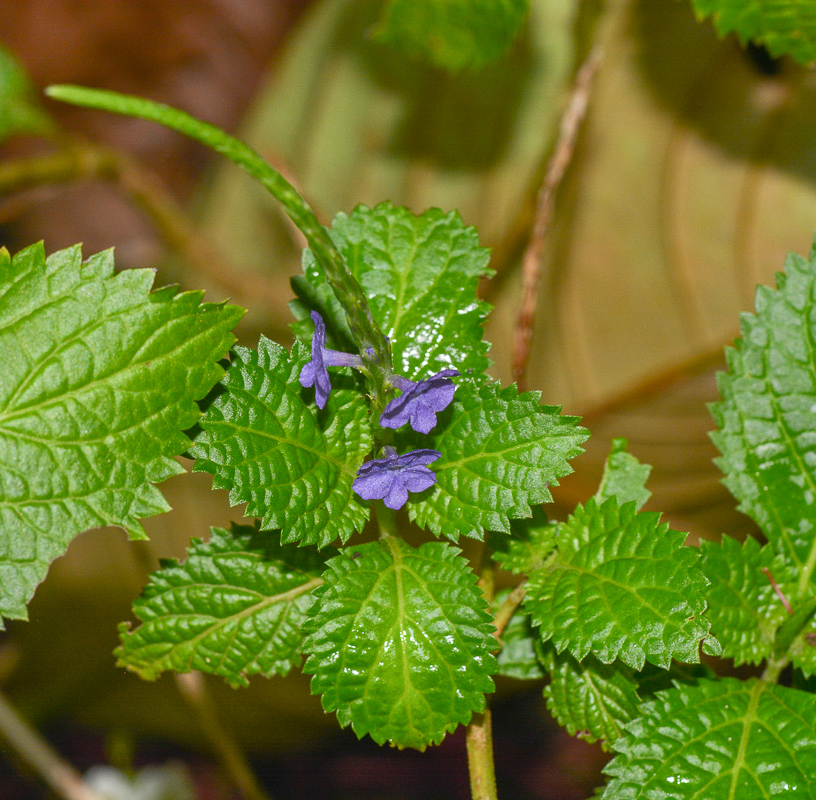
(587, 697)
(400, 642)
(765, 418)
(100, 379)
(744, 609)
(530, 541)
(20, 113)
(234, 608)
(420, 275)
(624, 477)
(725, 739)
(453, 34)
(785, 27)
(517, 657)
(622, 586)
(293, 467)
(500, 451)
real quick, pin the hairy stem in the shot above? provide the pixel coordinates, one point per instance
(41, 757)
(232, 758)
(386, 520)
(365, 331)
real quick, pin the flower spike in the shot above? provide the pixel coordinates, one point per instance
(391, 478)
(420, 402)
(314, 372)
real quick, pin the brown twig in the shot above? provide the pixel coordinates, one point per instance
(777, 590)
(41, 757)
(545, 203)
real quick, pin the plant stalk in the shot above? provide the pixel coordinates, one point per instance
(41, 757)
(480, 757)
(232, 758)
(349, 292)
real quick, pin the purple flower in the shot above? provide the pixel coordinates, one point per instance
(314, 372)
(391, 478)
(419, 402)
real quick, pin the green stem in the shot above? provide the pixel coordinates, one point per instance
(365, 331)
(508, 608)
(234, 761)
(41, 757)
(386, 520)
(480, 757)
(479, 734)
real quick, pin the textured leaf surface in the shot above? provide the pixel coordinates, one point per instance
(588, 698)
(719, 740)
(530, 541)
(420, 275)
(785, 27)
(400, 642)
(744, 609)
(233, 608)
(517, 657)
(500, 451)
(100, 378)
(622, 586)
(766, 421)
(624, 477)
(453, 33)
(291, 465)
(20, 113)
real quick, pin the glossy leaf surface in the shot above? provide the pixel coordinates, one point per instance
(100, 379)
(500, 452)
(292, 465)
(420, 275)
(400, 642)
(622, 586)
(234, 608)
(766, 434)
(744, 609)
(588, 698)
(718, 740)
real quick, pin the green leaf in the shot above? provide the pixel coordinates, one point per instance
(718, 740)
(766, 415)
(400, 642)
(20, 113)
(500, 451)
(785, 27)
(624, 477)
(517, 657)
(100, 379)
(588, 698)
(529, 544)
(420, 275)
(622, 586)
(234, 608)
(453, 34)
(292, 465)
(744, 609)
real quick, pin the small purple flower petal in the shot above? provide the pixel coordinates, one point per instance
(391, 478)
(420, 402)
(314, 372)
